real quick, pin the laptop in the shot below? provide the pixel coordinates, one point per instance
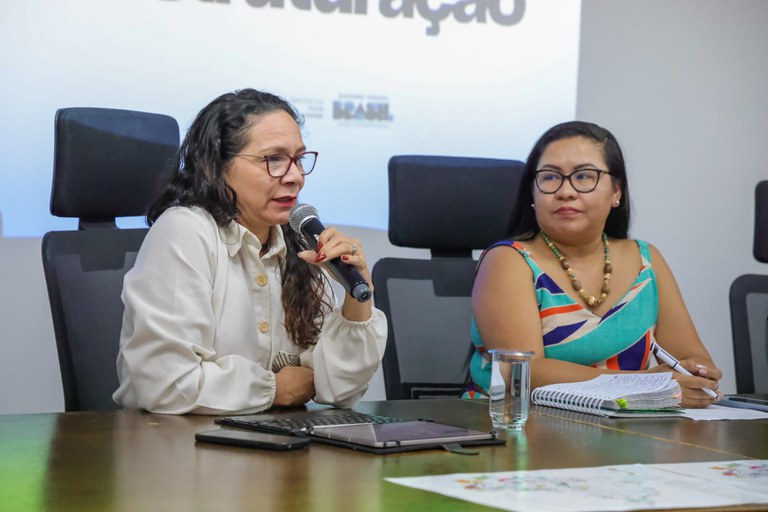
(757, 402)
(366, 432)
(300, 422)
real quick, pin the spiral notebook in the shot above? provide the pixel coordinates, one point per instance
(616, 395)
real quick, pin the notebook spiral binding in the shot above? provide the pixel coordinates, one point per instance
(591, 404)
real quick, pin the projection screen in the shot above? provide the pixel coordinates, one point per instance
(373, 78)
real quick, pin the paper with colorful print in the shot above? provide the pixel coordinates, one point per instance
(607, 488)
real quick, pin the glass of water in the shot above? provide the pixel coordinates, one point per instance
(510, 390)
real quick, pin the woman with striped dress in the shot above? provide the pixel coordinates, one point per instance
(571, 286)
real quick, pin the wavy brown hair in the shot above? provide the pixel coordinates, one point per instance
(217, 133)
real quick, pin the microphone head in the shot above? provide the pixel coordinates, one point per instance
(301, 212)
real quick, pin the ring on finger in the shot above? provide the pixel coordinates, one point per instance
(354, 249)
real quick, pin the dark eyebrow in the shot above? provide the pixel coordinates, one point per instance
(280, 150)
(579, 167)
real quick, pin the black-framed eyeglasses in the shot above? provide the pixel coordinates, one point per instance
(278, 165)
(583, 180)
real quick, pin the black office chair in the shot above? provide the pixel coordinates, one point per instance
(451, 206)
(749, 310)
(760, 247)
(108, 163)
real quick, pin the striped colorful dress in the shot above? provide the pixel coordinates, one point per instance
(618, 340)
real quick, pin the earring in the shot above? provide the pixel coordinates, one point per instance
(617, 203)
(532, 206)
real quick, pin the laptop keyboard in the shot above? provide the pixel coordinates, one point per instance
(293, 426)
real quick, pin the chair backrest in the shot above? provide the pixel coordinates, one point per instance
(108, 163)
(749, 309)
(760, 247)
(452, 206)
(749, 325)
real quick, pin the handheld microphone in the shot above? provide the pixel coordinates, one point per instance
(306, 222)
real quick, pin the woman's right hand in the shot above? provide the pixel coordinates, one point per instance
(693, 386)
(295, 385)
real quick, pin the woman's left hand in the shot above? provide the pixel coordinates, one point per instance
(334, 244)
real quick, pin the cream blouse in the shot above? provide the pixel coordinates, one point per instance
(203, 325)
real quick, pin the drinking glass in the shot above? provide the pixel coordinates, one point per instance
(510, 390)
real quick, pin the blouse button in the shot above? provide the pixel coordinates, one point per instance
(261, 280)
(264, 327)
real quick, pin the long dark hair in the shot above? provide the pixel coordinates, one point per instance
(217, 133)
(524, 224)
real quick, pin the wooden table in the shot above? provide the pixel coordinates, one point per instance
(134, 461)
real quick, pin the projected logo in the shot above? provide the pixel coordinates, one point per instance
(359, 109)
(310, 108)
(501, 12)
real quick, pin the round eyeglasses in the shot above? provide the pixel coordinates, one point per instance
(583, 180)
(278, 165)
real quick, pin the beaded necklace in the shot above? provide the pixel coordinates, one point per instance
(591, 301)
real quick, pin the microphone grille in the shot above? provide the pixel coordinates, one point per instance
(299, 213)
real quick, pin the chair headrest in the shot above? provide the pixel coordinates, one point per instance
(110, 163)
(760, 248)
(451, 204)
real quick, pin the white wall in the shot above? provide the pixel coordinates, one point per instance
(681, 84)
(29, 370)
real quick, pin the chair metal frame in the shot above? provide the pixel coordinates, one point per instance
(743, 342)
(744, 345)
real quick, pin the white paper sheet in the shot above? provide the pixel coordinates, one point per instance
(718, 412)
(607, 488)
